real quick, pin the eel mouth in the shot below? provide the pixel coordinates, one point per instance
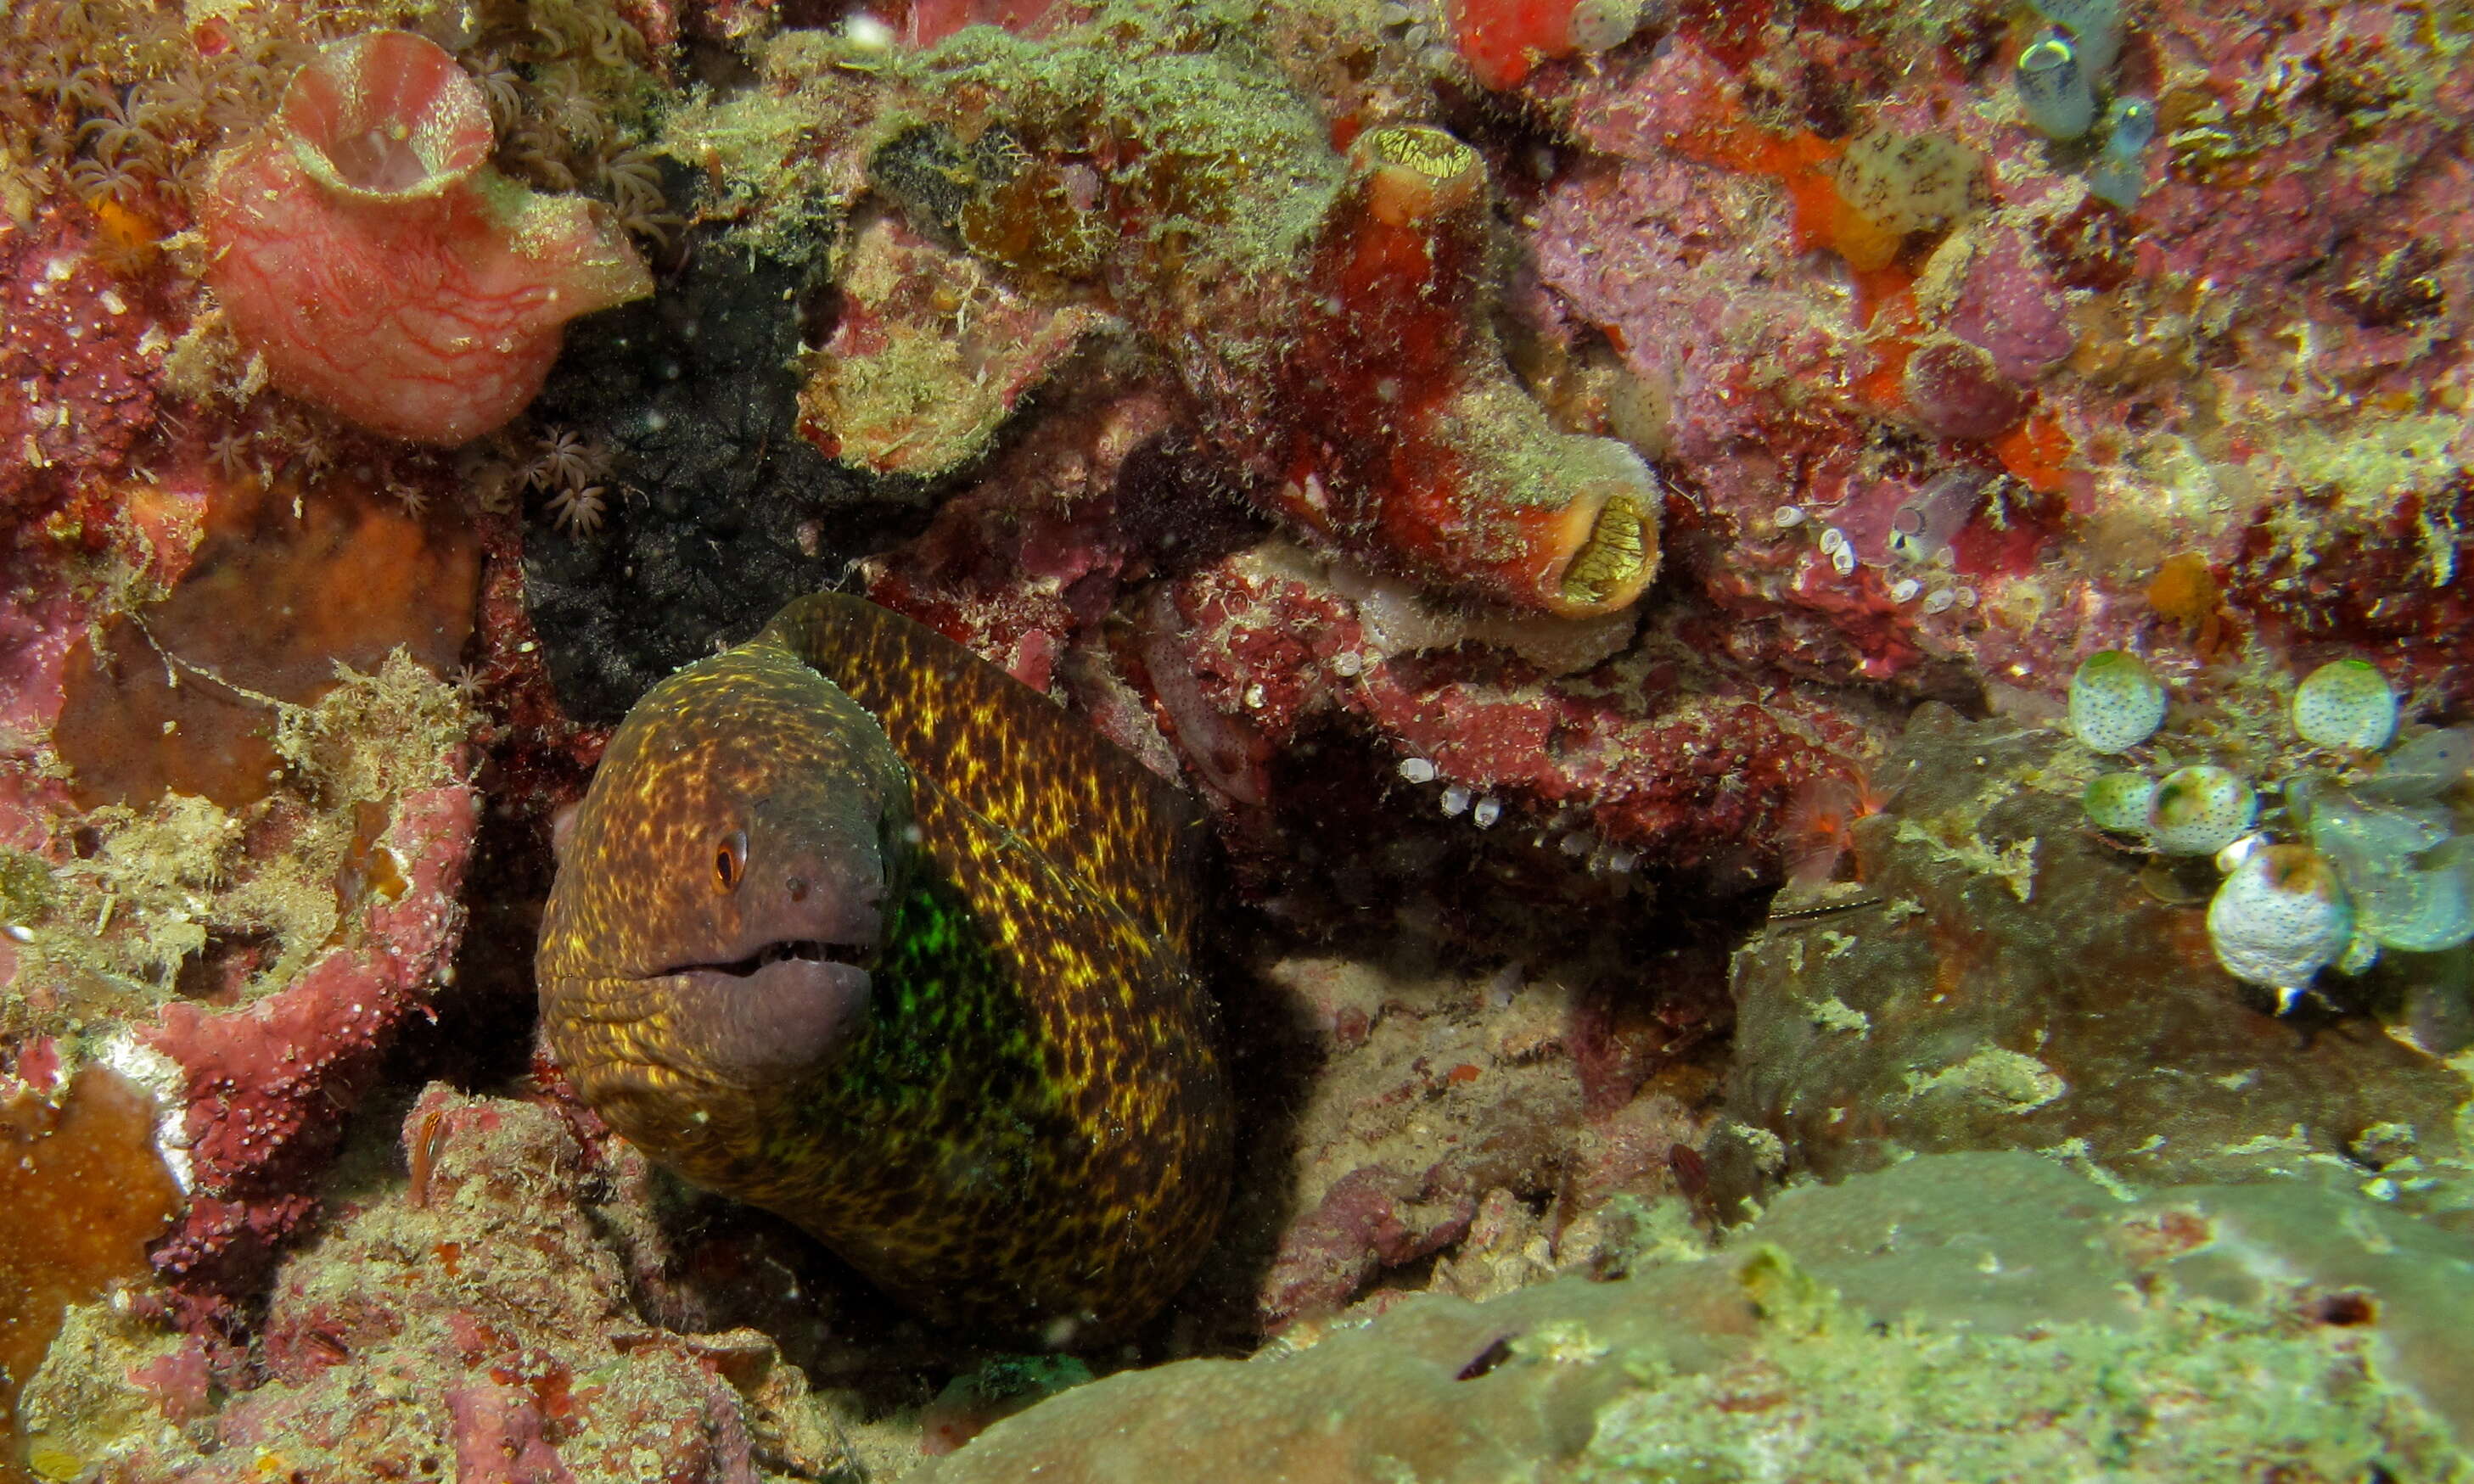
(804, 950)
(789, 1008)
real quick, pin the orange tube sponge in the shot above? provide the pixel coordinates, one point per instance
(364, 246)
(1416, 447)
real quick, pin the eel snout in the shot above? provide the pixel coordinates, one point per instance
(758, 1020)
(782, 981)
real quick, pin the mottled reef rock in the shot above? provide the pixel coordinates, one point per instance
(2004, 979)
(1960, 1315)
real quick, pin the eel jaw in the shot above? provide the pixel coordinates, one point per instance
(785, 1010)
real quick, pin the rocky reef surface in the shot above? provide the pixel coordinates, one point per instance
(1714, 567)
(1960, 1316)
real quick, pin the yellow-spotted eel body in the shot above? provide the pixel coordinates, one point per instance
(854, 927)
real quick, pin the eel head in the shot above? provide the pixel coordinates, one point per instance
(722, 895)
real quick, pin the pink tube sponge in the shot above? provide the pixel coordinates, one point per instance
(364, 247)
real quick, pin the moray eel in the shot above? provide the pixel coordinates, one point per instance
(854, 927)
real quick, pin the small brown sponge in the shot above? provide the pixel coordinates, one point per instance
(2021, 1325)
(287, 584)
(82, 1193)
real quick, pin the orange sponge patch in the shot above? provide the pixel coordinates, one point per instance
(82, 1193)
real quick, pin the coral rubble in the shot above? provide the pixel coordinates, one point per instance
(469, 1324)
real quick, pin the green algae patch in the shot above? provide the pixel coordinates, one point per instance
(78, 1408)
(2192, 1396)
(2004, 1079)
(1218, 166)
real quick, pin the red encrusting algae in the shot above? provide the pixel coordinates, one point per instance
(1415, 445)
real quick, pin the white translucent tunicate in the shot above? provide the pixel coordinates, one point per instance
(2055, 89)
(1417, 770)
(1966, 597)
(2115, 701)
(2094, 28)
(1833, 540)
(1926, 522)
(2120, 175)
(2199, 810)
(2117, 182)
(2120, 801)
(2422, 768)
(1456, 801)
(2412, 886)
(2303, 791)
(2445, 754)
(1905, 590)
(1940, 600)
(1486, 813)
(2129, 128)
(2427, 909)
(2339, 821)
(2346, 705)
(1786, 517)
(2280, 918)
(1844, 560)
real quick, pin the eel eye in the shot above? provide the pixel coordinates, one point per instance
(729, 860)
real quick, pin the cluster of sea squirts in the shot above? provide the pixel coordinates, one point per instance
(2365, 847)
(2061, 79)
